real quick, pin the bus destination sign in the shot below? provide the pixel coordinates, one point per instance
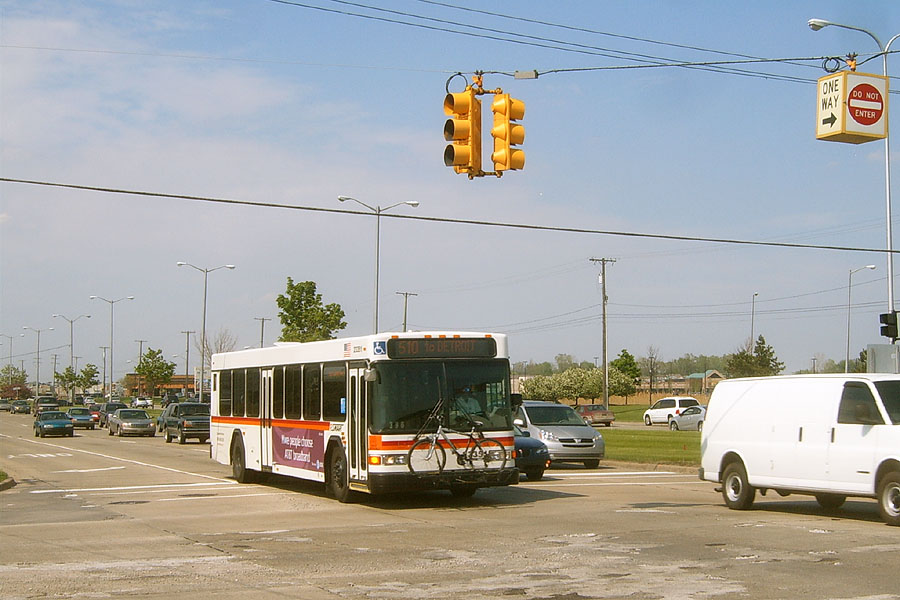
(442, 348)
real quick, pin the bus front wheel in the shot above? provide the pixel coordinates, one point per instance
(238, 462)
(338, 477)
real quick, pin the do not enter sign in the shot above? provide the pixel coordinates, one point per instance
(852, 107)
(865, 104)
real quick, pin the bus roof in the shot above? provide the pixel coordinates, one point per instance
(367, 347)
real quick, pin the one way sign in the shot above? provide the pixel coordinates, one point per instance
(851, 107)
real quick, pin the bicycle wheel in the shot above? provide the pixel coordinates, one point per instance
(426, 457)
(488, 454)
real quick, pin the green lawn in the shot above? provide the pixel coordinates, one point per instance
(632, 413)
(652, 445)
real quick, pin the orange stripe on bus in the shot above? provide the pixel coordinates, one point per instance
(377, 443)
(289, 424)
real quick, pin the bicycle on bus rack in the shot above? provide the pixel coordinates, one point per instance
(428, 456)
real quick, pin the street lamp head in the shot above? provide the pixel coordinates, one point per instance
(344, 198)
(413, 203)
(129, 297)
(229, 266)
(872, 267)
(180, 263)
(93, 297)
(817, 24)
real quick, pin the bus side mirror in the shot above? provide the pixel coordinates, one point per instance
(371, 376)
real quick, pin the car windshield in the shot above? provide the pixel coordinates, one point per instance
(194, 410)
(890, 396)
(53, 415)
(133, 414)
(79, 411)
(553, 415)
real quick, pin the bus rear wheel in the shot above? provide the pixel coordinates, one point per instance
(238, 462)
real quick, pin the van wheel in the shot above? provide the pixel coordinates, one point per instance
(889, 498)
(673, 425)
(830, 501)
(736, 491)
(591, 464)
(647, 420)
(534, 474)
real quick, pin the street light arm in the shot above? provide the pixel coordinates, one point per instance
(360, 202)
(817, 24)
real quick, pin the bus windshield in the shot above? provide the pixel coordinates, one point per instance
(471, 391)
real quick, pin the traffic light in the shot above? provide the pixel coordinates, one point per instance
(507, 133)
(889, 324)
(464, 130)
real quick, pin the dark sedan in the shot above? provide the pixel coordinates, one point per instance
(21, 406)
(532, 456)
(53, 422)
(188, 420)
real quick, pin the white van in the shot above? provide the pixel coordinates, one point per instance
(831, 436)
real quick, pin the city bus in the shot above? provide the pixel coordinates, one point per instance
(347, 412)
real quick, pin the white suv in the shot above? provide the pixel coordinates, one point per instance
(665, 409)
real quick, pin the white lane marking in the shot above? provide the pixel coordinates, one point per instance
(128, 487)
(89, 470)
(616, 474)
(611, 483)
(158, 490)
(127, 460)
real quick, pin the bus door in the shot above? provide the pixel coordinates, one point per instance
(357, 438)
(265, 419)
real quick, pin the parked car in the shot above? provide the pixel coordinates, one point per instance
(53, 422)
(131, 421)
(188, 420)
(6, 404)
(21, 406)
(596, 414)
(567, 436)
(107, 408)
(690, 419)
(142, 403)
(665, 409)
(82, 417)
(532, 456)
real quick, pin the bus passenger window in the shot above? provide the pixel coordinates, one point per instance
(238, 393)
(292, 387)
(225, 393)
(312, 392)
(334, 392)
(252, 392)
(278, 392)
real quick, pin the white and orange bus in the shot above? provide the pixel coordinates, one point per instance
(347, 412)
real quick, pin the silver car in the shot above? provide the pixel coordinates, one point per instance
(564, 432)
(134, 421)
(689, 419)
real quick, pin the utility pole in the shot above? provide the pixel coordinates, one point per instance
(187, 359)
(140, 361)
(603, 262)
(262, 329)
(406, 296)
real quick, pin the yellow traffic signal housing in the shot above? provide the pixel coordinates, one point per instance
(464, 130)
(507, 133)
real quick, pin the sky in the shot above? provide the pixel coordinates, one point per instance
(288, 105)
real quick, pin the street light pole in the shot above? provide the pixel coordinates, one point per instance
(816, 25)
(187, 358)
(849, 286)
(72, 348)
(377, 210)
(752, 318)
(111, 304)
(37, 387)
(206, 273)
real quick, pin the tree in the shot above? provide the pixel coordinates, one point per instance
(155, 369)
(13, 383)
(222, 341)
(564, 362)
(758, 363)
(303, 316)
(626, 364)
(88, 376)
(68, 379)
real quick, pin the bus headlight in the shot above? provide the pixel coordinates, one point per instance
(389, 460)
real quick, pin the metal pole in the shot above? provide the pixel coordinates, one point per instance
(406, 296)
(203, 334)
(849, 286)
(603, 262)
(187, 359)
(752, 318)
(262, 329)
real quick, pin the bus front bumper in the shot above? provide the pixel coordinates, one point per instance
(385, 483)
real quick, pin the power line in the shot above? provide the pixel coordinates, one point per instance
(507, 225)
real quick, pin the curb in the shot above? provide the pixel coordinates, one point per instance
(7, 483)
